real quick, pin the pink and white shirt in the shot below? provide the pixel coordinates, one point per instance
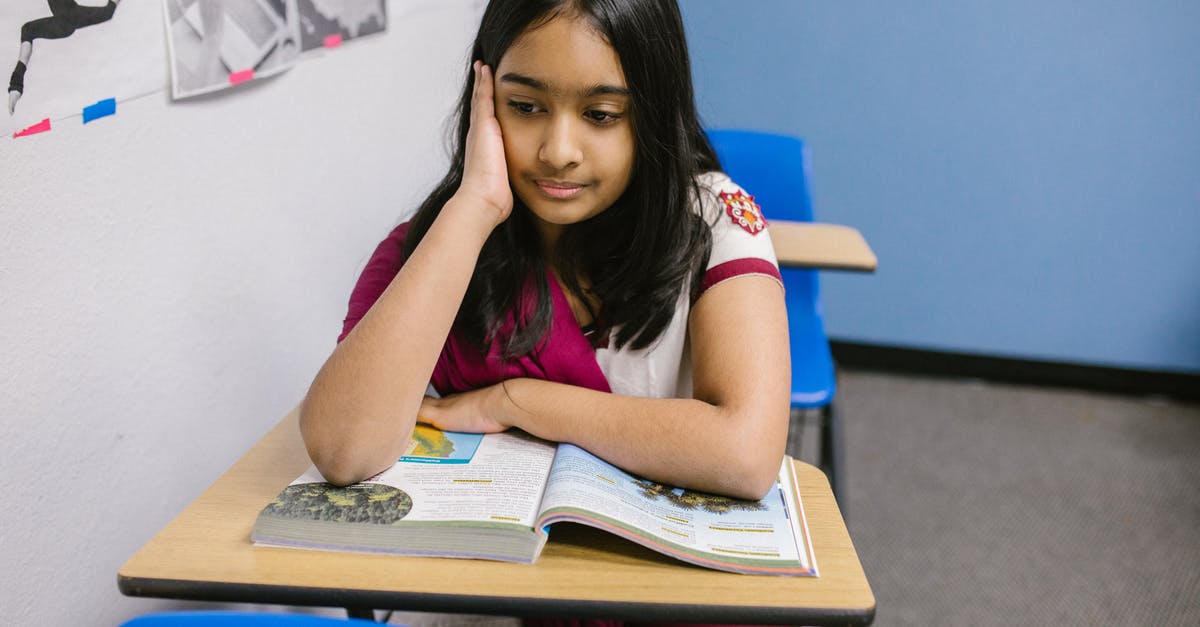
(740, 246)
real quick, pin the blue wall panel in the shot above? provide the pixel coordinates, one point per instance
(1028, 172)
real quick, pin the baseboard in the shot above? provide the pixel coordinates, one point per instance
(1178, 385)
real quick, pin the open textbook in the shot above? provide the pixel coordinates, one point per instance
(494, 497)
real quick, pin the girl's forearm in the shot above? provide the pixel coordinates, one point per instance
(361, 407)
(684, 442)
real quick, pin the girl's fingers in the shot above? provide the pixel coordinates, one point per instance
(476, 95)
(487, 90)
(481, 95)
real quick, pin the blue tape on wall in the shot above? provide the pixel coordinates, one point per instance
(101, 109)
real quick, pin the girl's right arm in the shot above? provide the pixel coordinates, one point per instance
(362, 405)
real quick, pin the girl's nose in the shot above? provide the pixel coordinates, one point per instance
(560, 147)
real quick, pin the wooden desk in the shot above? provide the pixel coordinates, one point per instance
(206, 554)
(821, 245)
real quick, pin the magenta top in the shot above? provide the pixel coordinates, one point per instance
(563, 356)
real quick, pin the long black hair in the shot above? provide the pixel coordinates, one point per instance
(641, 253)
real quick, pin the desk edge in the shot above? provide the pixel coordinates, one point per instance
(490, 605)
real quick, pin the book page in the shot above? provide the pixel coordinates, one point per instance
(719, 532)
(496, 478)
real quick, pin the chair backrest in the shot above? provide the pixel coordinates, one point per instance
(773, 168)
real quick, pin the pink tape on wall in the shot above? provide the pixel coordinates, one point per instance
(40, 127)
(241, 77)
(333, 41)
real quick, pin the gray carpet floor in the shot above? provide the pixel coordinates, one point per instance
(974, 503)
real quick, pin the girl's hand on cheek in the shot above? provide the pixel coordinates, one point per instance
(485, 173)
(477, 411)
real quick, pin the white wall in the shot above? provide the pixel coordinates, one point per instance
(170, 280)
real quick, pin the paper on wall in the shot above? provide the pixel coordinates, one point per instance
(323, 21)
(76, 53)
(215, 44)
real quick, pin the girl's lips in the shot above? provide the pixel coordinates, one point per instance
(556, 189)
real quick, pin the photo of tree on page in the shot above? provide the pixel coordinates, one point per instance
(431, 446)
(689, 499)
(360, 503)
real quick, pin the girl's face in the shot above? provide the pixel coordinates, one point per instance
(564, 110)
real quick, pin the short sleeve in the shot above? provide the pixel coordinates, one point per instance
(741, 243)
(381, 268)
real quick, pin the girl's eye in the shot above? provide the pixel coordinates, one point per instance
(602, 117)
(522, 108)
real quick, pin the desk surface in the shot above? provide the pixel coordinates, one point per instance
(206, 554)
(821, 245)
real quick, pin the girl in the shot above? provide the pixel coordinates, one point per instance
(583, 272)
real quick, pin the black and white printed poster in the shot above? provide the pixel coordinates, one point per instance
(327, 23)
(78, 58)
(61, 56)
(215, 44)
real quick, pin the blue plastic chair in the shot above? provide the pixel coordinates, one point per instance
(775, 169)
(240, 619)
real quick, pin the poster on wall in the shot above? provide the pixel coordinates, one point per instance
(327, 23)
(62, 56)
(215, 44)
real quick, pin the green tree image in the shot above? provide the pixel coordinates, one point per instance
(431, 442)
(688, 499)
(359, 503)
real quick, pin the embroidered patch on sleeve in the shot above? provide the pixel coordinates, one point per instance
(744, 212)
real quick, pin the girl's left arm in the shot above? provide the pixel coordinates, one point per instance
(728, 439)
